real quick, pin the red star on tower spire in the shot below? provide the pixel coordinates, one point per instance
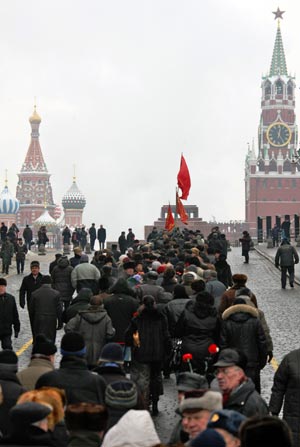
(278, 14)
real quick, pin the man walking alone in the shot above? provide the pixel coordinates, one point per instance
(286, 257)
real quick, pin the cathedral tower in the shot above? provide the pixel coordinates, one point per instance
(34, 187)
(272, 177)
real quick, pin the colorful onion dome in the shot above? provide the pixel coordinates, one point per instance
(35, 117)
(8, 203)
(74, 199)
(45, 220)
(57, 212)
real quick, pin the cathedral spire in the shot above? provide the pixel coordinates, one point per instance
(278, 64)
(34, 160)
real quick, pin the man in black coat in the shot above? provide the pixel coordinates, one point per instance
(61, 280)
(101, 237)
(53, 264)
(80, 384)
(46, 310)
(122, 242)
(286, 256)
(3, 231)
(8, 316)
(29, 284)
(10, 387)
(21, 251)
(28, 236)
(93, 236)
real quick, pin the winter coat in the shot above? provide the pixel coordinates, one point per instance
(92, 233)
(86, 275)
(11, 390)
(61, 279)
(75, 260)
(21, 251)
(66, 234)
(286, 388)
(242, 330)
(86, 438)
(120, 307)
(80, 384)
(173, 311)
(7, 252)
(247, 401)
(80, 302)
(198, 329)
(230, 295)
(9, 315)
(286, 256)
(96, 328)
(155, 340)
(3, 232)
(32, 436)
(101, 234)
(46, 311)
(27, 234)
(29, 285)
(38, 366)
(223, 270)
(151, 288)
(216, 288)
(169, 284)
(246, 244)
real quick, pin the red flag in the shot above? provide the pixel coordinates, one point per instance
(180, 210)
(183, 179)
(170, 223)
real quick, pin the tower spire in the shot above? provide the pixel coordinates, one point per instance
(278, 63)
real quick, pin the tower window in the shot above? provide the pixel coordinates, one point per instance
(279, 88)
(279, 184)
(268, 88)
(290, 89)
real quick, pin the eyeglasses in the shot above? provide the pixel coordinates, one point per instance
(225, 371)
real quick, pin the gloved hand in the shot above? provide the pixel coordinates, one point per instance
(59, 326)
(22, 305)
(277, 266)
(270, 356)
(16, 334)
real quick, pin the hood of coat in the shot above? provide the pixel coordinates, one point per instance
(240, 312)
(84, 295)
(135, 428)
(94, 314)
(63, 262)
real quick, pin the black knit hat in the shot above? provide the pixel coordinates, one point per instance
(43, 345)
(112, 352)
(121, 394)
(72, 343)
(3, 282)
(27, 413)
(8, 360)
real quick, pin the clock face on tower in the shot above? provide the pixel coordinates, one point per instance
(279, 134)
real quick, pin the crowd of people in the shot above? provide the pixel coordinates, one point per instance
(141, 312)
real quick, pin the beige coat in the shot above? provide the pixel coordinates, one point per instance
(36, 368)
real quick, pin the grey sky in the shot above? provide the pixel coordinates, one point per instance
(124, 86)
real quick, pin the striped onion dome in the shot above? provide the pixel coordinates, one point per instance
(8, 203)
(73, 199)
(57, 212)
(45, 220)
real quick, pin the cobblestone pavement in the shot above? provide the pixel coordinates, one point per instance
(281, 307)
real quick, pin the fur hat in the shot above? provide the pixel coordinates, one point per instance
(27, 413)
(112, 352)
(86, 416)
(208, 438)
(187, 381)
(265, 431)
(211, 400)
(72, 343)
(3, 282)
(229, 420)
(42, 345)
(239, 278)
(121, 394)
(128, 265)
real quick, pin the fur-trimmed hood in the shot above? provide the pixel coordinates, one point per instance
(239, 308)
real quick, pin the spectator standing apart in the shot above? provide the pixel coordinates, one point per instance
(84, 234)
(286, 256)
(8, 316)
(54, 263)
(42, 361)
(246, 245)
(61, 281)
(130, 238)
(66, 234)
(46, 310)
(80, 384)
(93, 236)
(42, 236)
(3, 232)
(85, 275)
(28, 236)
(122, 243)
(101, 234)
(12, 233)
(286, 388)
(6, 253)
(95, 326)
(21, 251)
(11, 388)
(275, 235)
(285, 227)
(29, 284)
(238, 390)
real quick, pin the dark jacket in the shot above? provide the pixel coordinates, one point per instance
(151, 288)
(29, 285)
(111, 372)
(286, 388)
(61, 279)
(242, 330)
(31, 436)
(223, 270)
(96, 328)
(80, 302)
(86, 438)
(11, 390)
(9, 315)
(46, 311)
(21, 251)
(198, 327)
(80, 384)
(101, 234)
(247, 401)
(228, 297)
(75, 260)
(286, 255)
(173, 311)
(155, 340)
(246, 243)
(92, 233)
(27, 234)
(66, 234)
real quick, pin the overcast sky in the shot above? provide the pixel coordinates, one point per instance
(124, 86)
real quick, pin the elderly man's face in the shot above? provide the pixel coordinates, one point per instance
(229, 377)
(195, 422)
